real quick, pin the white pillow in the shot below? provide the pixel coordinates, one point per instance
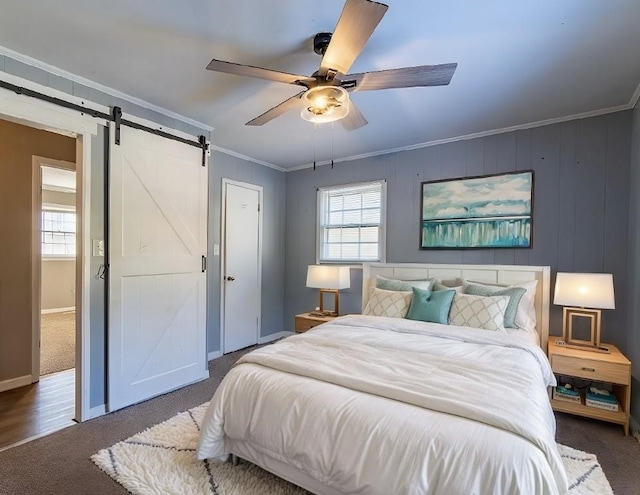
(456, 284)
(482, 312)
(526, 312)
(402, 285)
(391, 303)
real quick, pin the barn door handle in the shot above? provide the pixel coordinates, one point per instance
(230, 279)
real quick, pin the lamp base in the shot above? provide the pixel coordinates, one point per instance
(571, 315)
(336, 302)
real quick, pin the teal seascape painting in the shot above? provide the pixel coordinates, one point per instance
(493, 211)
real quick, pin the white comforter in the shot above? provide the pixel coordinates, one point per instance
(373, 405)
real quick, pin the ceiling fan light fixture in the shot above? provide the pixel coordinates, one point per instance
(325, 104)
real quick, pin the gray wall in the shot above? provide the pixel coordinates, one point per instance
(581, 206)
(273, 238)
(97, 340)
(633, 346)
(58, 283)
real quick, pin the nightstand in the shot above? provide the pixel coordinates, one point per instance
(613, 368)
(305, 321)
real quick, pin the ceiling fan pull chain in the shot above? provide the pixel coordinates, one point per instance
(332, 128)
(315, 140)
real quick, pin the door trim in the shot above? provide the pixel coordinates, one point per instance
(46, 116)
(223, 242)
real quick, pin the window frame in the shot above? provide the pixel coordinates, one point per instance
(382, 226)
(50, 208)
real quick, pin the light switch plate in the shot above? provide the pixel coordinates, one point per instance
(98, 247)
(216, 249)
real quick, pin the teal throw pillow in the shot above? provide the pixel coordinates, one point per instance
(432, 306)
(514, 293)
(403, 285)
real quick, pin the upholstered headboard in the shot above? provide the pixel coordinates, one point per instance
(490, 274)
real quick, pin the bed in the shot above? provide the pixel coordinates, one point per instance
(379, 405)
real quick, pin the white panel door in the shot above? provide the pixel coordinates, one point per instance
(241, 270)
(157, 285)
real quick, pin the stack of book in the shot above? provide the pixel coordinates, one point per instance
(566, 393)
(601, 399)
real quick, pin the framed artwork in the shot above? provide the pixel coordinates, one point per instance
(490, 211)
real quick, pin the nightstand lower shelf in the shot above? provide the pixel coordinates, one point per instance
(618, 417)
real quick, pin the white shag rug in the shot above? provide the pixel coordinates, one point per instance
(161, 461)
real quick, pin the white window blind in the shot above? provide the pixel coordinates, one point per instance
(58, 233)
(351, 222)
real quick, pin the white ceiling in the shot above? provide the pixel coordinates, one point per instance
(518, 63)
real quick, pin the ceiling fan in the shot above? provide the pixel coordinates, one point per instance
(325, 96)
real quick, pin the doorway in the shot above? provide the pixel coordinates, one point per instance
(58, 227)
(29, 406)
(241, 263)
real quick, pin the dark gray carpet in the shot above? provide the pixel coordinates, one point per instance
(619, 456)
(59, 464)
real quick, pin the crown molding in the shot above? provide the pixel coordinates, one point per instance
(52, 69)
(466, 137)
(247, 158)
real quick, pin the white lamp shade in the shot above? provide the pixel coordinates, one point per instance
(585, 290)
(328, 277)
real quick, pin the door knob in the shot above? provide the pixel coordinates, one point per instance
(230, 279)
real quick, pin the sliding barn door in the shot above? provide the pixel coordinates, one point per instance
(157, 286)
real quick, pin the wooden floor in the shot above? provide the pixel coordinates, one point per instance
(37, 409)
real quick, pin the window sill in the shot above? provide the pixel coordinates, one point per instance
(58, 258)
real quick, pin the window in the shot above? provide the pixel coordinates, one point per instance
(351, 223)
(58, 233)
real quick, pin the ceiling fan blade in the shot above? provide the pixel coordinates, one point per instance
(407, 77)
(357, 22)
(354, 119)
(278, 110)
(259, 72)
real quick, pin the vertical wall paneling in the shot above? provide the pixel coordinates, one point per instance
(616, 213)
(633, 328)
(567, 195)
(580, 206)
(590, 191)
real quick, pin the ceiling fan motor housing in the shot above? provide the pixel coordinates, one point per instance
(321, 42)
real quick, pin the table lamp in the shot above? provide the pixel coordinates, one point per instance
(583, 295)
(329, 279)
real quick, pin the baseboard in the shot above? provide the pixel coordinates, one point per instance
(12, 383)
(96, 412)
(214, 355)
(57, 310)
(274, 336)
